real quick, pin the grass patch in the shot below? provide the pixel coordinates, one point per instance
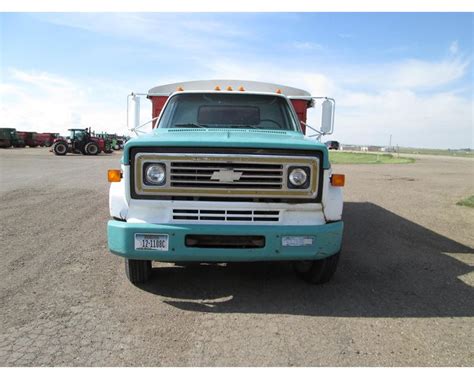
(467, 202)
(342, 157)
(443, 152)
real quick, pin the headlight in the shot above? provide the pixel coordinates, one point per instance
(155, 174)
(298, 177)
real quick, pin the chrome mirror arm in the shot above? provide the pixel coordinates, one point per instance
(318, 134)
(136, 129)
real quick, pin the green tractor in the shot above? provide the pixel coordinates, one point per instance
(110, 140)
(9, 138)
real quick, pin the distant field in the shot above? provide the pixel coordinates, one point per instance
(366, 158)
(451, 153)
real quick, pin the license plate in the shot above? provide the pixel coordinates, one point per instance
(294, 241)
(151, 242)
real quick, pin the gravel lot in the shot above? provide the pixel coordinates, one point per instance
(403, 293)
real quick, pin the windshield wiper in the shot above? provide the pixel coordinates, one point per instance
(191, 125)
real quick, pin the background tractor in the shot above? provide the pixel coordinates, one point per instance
(81, 141)
(110, 140)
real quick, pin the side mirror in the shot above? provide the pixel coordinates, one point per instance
(133, 111)
(327, 117)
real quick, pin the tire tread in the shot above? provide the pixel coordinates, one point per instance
(137, 271)
(321, 271)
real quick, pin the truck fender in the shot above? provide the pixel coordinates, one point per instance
(118, 205)
(332, 199)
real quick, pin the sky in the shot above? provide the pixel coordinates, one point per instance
(409, 75)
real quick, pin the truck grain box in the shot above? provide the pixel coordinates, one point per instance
(227, 175)
(46, 139)
(30, 138)
(9, 137)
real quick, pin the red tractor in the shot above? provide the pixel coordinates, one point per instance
(80, 141)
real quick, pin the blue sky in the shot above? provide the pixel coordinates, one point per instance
(405, 74)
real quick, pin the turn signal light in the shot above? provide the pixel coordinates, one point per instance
(338, 180)
(114, 175)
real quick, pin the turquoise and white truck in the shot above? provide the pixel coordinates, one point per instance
(227, 174)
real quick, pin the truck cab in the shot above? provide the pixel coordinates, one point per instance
(227, 174)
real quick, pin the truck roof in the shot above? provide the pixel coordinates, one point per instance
(210, 85)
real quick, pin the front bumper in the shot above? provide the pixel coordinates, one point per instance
(327, 241)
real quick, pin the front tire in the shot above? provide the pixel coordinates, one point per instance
(137, 271)
(317, 271)
(91, 148)
(60, 148)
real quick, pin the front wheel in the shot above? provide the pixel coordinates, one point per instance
(137, 271)
(91, 148)
(318, 271)
(60, 148)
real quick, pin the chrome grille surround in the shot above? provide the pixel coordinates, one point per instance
(234, 175)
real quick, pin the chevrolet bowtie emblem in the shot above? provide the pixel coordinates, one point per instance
(226, 176)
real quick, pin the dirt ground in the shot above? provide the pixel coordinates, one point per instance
(403, 294)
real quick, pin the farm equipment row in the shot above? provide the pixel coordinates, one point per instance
(9, 137)
(80, 141)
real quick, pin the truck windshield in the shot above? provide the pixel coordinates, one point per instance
(216, 110)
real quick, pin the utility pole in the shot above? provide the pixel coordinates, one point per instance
(390, 143)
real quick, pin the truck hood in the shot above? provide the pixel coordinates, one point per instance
(237, 138)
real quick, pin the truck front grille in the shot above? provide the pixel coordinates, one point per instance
(226, 176)
(213, 175)
(226, 215)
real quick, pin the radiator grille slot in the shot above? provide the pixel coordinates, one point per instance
(224, 242)
(226, 215)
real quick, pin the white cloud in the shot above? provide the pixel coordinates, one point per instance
(396, 103)
(454, 47)
(43, 102)
(370, 105)
(407, 74)
(422, 74)
(306, 45)
(345, 35)
(177, 31)
(443, 120)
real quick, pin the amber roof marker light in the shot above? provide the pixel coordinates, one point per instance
(217, 88)
(241, 88)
